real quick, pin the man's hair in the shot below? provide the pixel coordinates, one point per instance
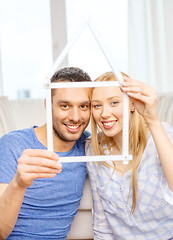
(70, 74)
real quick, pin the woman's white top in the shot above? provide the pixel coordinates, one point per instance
(153, 216)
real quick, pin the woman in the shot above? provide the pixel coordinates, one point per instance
(135, 200)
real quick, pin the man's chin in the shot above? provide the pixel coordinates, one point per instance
(73, 138)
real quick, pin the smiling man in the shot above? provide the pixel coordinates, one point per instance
(39, 197)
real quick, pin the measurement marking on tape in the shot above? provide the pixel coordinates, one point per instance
(99, 158)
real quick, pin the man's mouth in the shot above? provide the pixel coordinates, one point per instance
(73, 128)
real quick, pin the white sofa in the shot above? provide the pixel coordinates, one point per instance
(22, 113)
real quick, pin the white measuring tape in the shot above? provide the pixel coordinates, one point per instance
(125, 157)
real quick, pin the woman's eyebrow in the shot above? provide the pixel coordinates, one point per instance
(93, 101)
(114, 97)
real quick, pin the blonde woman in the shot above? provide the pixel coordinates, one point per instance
(133, 201)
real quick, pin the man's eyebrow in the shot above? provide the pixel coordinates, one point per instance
(66, 101)
(62, 101)
(86, 102)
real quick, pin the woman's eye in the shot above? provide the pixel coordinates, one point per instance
(96, 106)
(114, 103)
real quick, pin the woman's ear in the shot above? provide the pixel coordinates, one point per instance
(133, 109)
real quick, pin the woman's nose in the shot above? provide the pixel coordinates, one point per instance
(105, 112)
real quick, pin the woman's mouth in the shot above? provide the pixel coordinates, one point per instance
(109, 124)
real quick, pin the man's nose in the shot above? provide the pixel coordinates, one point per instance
(75, 115)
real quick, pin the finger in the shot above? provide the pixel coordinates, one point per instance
(38, 169)
(138, 90)
(41, 153)
(39, 161)
(133, 82)
(44, 176)
(32, 176)
(130, 82)
(138, 87)
(139, 97)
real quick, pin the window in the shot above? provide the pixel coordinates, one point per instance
(26, 44)
(111, 19)
(25, 47)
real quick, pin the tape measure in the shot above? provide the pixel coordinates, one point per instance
(125, 157)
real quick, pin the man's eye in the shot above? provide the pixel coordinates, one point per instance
(64, 106)
(84, 107)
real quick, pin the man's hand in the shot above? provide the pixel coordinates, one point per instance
(36, 163)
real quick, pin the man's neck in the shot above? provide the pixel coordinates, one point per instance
(59, 145)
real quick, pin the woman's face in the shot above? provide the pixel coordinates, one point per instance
(107, 110)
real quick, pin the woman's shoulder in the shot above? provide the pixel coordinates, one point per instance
(92, 168)
(88, 147)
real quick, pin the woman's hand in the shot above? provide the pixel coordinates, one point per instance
(143, 97)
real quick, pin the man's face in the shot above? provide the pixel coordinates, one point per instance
(70, 113)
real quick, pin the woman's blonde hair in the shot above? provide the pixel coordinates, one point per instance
(137, 140)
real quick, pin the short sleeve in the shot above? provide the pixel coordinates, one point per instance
(8, 161)
(167, 194)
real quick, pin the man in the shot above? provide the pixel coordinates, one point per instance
(37, 200)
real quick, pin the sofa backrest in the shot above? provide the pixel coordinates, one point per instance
(6, 116)
(20, 113)
(165, 107)
(28, 112)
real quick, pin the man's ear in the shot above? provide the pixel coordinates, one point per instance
(45, 103)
